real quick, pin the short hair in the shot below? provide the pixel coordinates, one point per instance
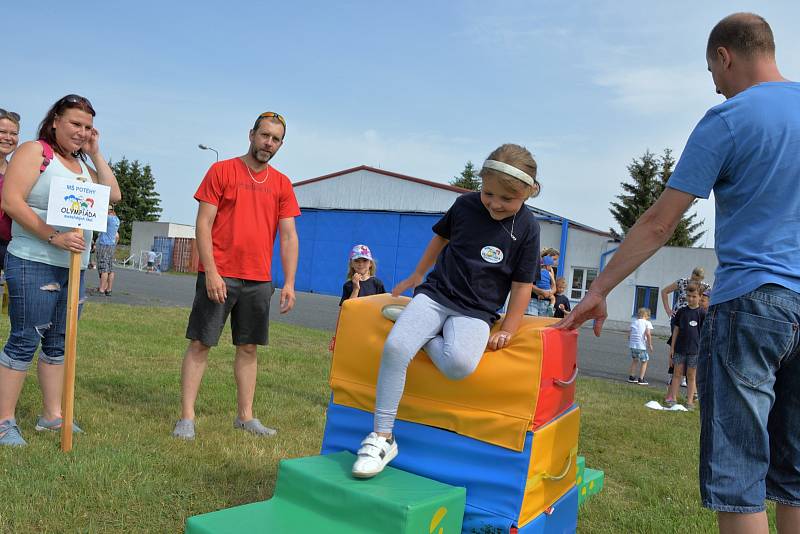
(643, 313)
(274, 120)
(561, 279)
(747, 34)
(519, 157)
(693, 287)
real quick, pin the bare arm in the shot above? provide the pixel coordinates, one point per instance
(290, 250)
(650, 232)
(103, 175)
(21, 175)
(517, 303)
(215, 285)
(665, 296)
(432, 252)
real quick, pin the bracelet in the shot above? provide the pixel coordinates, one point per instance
(50, 239)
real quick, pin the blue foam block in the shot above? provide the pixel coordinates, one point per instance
(495, 477)
(563, 518)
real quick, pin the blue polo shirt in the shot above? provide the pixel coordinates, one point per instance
(747, 150)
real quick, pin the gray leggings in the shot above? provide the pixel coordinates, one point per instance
(454, 342)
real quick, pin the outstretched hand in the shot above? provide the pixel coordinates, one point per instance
(408, 283)
(593, 306)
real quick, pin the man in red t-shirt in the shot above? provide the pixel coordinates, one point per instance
(243, 202)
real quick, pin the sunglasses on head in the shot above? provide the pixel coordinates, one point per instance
(77, 99)
(9, 115)
(273, 115)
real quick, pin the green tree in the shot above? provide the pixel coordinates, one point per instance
(468, 179)
(140, 200)
(649, 175)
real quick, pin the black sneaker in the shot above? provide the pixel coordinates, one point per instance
(632, 379)
(643, 382)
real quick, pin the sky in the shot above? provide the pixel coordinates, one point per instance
(414, 87)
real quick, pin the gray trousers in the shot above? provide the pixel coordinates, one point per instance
(454, 342)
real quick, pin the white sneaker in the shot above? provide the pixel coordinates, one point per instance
(392, 311)
(375, 453)
(683, 382)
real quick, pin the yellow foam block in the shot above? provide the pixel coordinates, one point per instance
(495, 404)
(553, 467)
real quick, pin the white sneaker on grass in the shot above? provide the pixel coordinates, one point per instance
(375, 453)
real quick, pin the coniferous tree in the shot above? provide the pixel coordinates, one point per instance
(649, 175)
(468, 179)
(140, 200)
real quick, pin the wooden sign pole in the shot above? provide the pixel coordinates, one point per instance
(70, 349)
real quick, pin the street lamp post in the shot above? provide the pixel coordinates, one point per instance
(206, 147)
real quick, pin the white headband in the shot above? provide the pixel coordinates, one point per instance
(510, 170)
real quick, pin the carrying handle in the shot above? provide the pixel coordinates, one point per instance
(562, 383)
(567, 466)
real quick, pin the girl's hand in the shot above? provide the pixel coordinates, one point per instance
(356, 281)
(409, 283)
(499, 340)
(92, 145)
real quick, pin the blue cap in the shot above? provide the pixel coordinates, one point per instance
(547, 260)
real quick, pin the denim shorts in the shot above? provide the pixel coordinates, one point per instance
(247, 304)
(689, 360)
(37, 310)
(748, 381)
(640, 354)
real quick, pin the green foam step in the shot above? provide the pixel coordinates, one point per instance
(581, 466)
(319, 495)
(592, 484)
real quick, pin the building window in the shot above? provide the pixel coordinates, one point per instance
(646, 297)
(582, 278)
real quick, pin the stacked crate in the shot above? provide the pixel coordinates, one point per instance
(508, 433)
(184, 255)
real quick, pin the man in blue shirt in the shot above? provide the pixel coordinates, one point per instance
(747, 150)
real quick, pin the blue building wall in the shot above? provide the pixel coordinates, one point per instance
(397, 241)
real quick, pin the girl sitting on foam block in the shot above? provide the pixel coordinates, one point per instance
(481, 251)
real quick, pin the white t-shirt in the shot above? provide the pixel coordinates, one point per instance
(638, 329)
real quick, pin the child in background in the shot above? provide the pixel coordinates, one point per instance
(639, 342)
(546, 282)
(705, 299)
(686, 345)
(361, 280)
(488, 237)
(562, 306)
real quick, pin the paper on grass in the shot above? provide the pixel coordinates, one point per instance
(655, 405)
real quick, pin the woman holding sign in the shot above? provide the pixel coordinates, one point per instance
(37, 265)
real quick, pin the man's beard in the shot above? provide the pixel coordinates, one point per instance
(255, 153)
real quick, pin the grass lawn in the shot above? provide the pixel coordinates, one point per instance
(128, 475)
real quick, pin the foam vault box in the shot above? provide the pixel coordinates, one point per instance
(506, 486)
(513, 390)
(318, 494)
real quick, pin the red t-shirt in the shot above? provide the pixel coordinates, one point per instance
(244, 229)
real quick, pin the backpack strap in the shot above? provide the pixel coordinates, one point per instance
(47, 155)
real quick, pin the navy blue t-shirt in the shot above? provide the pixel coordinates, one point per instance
(689, 321)
(561, 299)
(474, 271)
(372, 286)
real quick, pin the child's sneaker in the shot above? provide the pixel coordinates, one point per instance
(375, 453)
(643, 382)
(684, 384)
(392, 311)
(632, 379)
(669, 403)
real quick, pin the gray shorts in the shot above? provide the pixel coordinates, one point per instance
(248, 305)
(105, 258)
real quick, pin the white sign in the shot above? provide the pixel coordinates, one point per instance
(76, 204)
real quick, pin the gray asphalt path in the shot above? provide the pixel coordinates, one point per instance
(604, 357)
